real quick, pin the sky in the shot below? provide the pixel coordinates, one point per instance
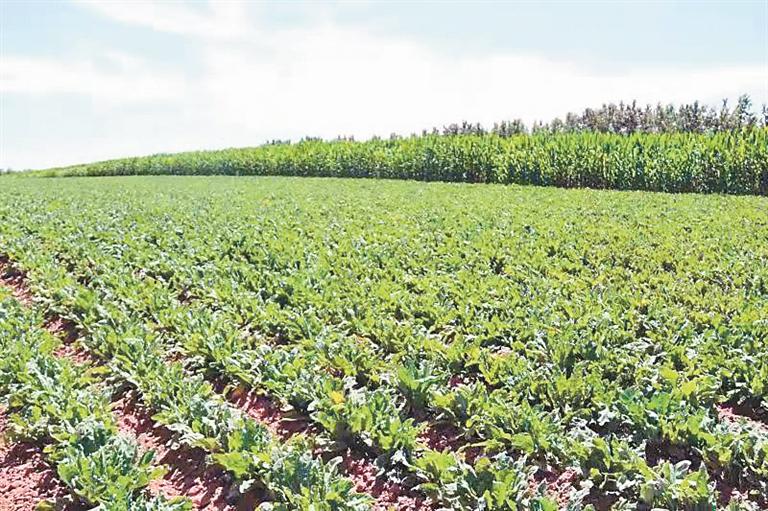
(89, 80)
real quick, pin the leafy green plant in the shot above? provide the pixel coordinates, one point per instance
(675, 487)
(600, 331)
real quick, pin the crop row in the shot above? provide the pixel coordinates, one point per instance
(292, 477)
(53, 399)
(186, 404)
(731, 162)
(54, 402)
(296, 375)
(583, 345)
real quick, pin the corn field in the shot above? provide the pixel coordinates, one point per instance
(733, 162)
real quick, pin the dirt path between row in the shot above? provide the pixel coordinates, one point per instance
(387, 494)
(208, 487)
(26, 479)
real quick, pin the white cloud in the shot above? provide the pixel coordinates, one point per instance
(331, 80)
(223, 19)
(328, 80)
(107, 77)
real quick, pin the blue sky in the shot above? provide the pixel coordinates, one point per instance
(86, 80)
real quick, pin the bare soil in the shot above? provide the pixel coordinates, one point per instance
(26, 479)
(210, 488)
(388, 495)
(15, 280)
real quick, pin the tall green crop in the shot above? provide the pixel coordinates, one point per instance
(733, 162)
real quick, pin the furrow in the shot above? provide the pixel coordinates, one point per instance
(26, 479)
(194, 479)
(14, 280)
(197, 481)
(189, 474)
(209, 488)
(387, 494)
(746, 413)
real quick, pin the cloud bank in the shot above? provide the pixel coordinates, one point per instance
(255, 83)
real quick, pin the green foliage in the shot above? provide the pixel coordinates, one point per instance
(53, 401)
(305, 484)
(596, 334)
(675, 487)
(728, 162)
(101, 465)
(489, 484)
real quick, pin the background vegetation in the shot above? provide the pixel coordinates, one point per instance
(690, 148)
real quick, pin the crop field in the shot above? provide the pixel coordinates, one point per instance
(734, 162)
(321, 344)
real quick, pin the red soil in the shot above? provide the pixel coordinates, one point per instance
(268, 412)
(76, 354)
(459, 379)
(62, 328)
(387, 494)
(441, 436)
(727, 493)
(659, 451)
(26, 479)
(15, 280)
(600, 500)
(752, 416)
(210, 488)
(559, 484)
(743, 489)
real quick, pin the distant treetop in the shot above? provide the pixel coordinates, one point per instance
(626, 118)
